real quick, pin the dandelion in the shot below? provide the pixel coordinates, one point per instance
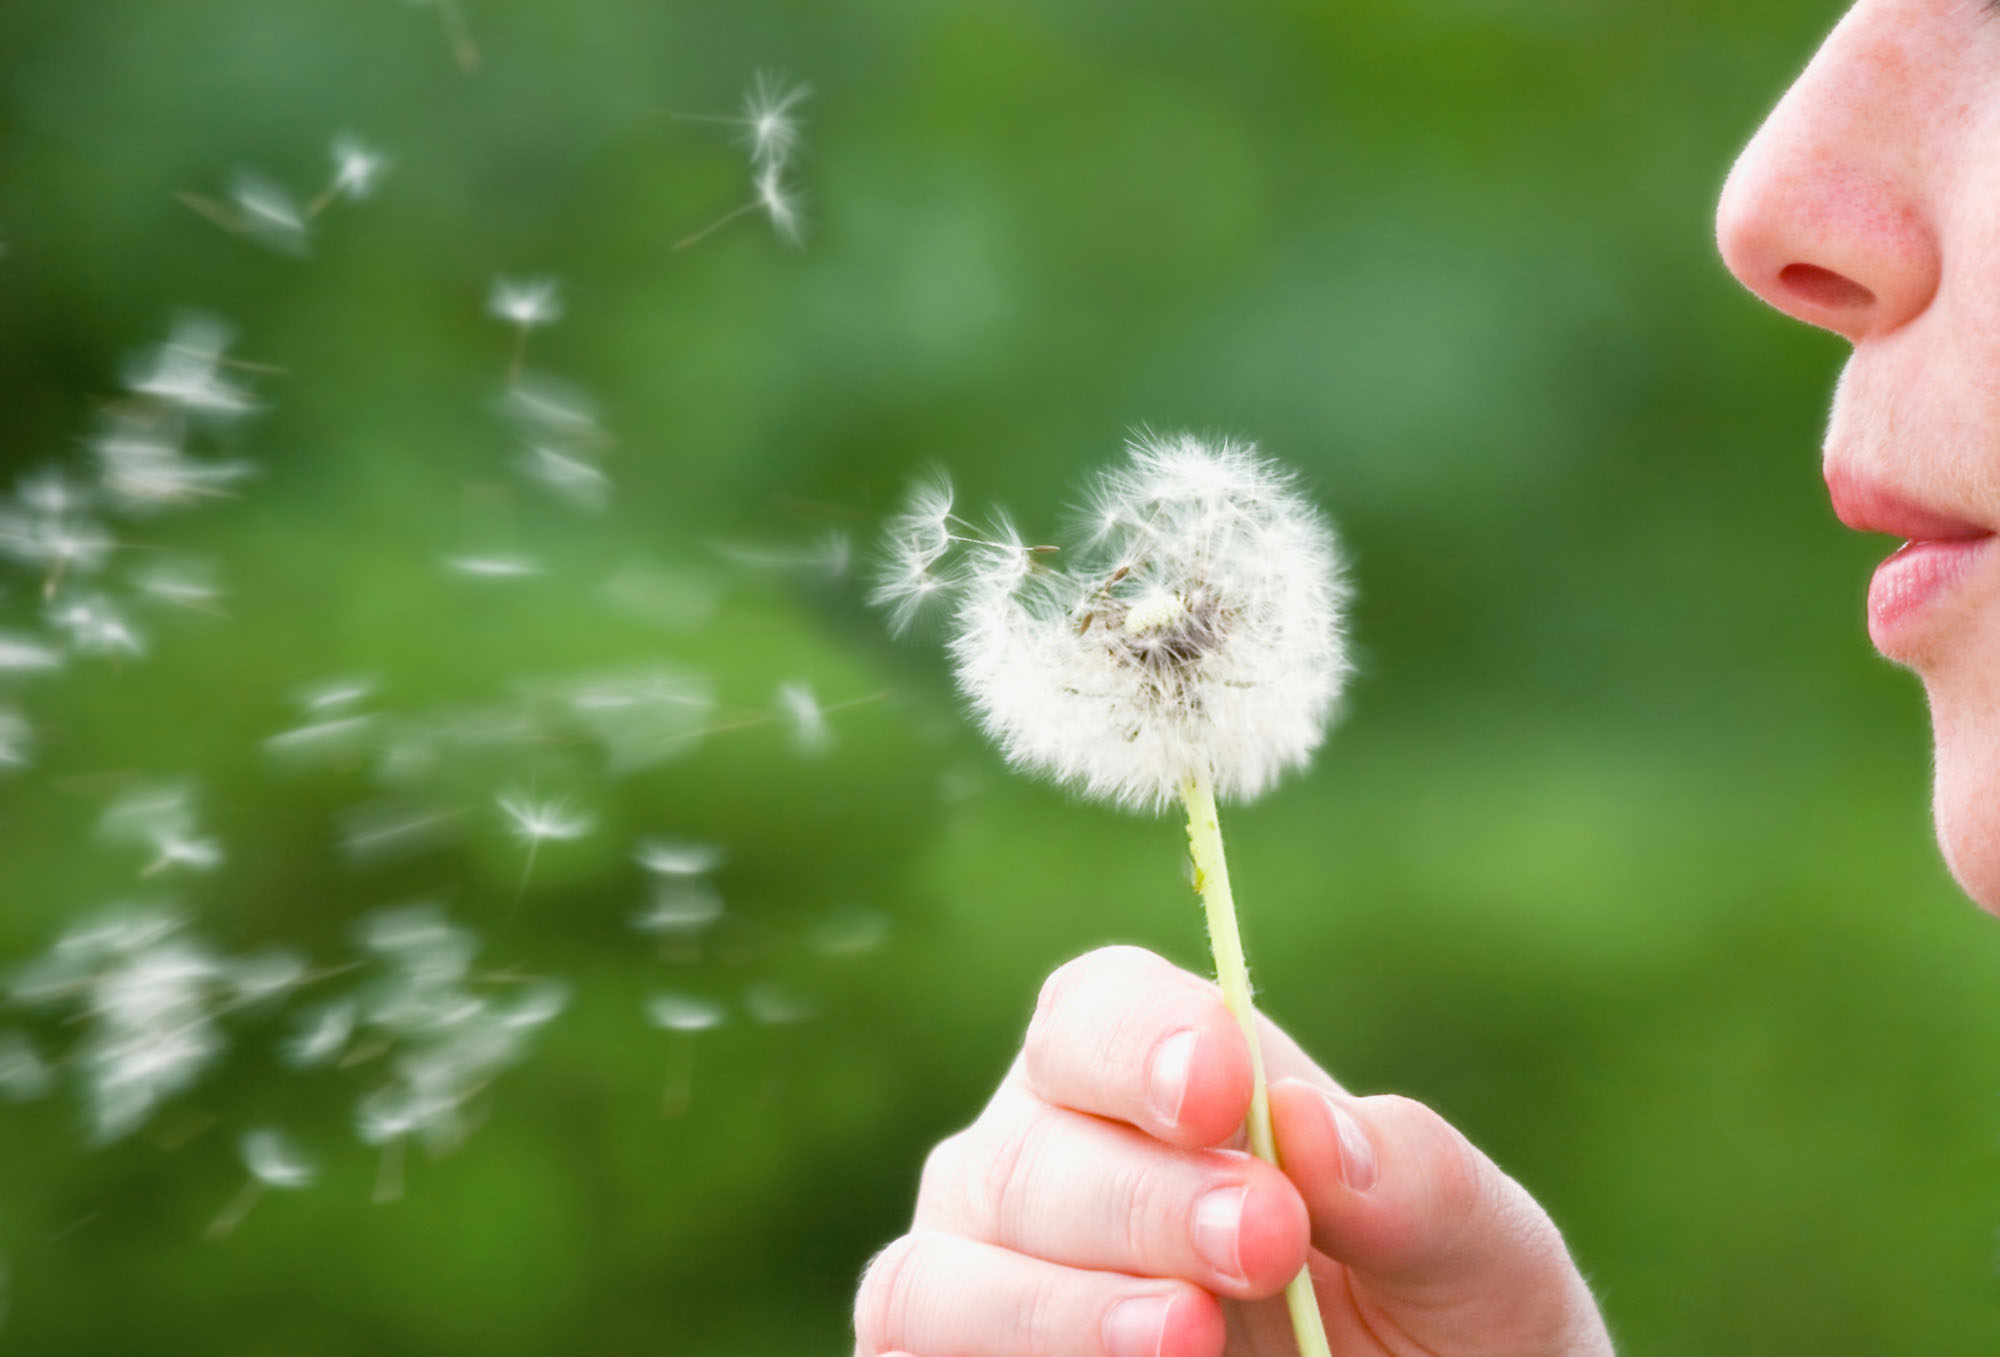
(683, 1015)
(321, 1035)
(186, 371)
(1193, 646)
(267, 214)
(524, 305)
(272, 1163)
(537, 822)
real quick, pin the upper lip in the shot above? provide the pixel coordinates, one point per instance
(1869, 506)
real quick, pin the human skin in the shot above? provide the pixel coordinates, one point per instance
(1869, 205)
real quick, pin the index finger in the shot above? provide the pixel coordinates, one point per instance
(1123, 1033)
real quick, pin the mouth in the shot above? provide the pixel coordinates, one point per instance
(1910, 587)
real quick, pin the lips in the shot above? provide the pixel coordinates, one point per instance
(1940, 550)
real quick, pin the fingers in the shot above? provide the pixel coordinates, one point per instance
(1121, 1033)
(931, 1293)
(1423, 1218)
(1081, 1191)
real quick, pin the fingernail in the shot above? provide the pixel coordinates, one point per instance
(1137, 1327)
(1167, 1081)
(1357, 1156)
(1218, 1229)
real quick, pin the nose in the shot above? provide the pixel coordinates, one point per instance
(1825, 215)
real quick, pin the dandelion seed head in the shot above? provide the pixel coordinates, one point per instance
(527, 303)
(771, 125)
(1198, 632)
(274, 1161)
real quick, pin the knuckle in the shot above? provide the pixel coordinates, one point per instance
(882, 1302)
(999, 1187)
(1038, 1310)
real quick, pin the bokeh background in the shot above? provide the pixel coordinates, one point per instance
(1620, 857)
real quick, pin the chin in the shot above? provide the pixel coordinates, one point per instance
(1966, 796)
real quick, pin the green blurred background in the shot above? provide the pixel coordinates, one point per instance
(1620, 858)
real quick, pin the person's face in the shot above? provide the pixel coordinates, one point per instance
(1869, 205)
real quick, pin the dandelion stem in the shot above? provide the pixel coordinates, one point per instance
(1211, 879)
(717, 224)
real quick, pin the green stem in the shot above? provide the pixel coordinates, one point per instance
(1211, 879)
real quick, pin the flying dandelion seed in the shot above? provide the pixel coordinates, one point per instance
(187, 583)
(771, 128)
(186, 371)
(776, 1005)
(390, 831)
(831, 554)
(1192, 647)
(682, 1016)
(149, 998)
(574, 479)
(641, 718)
(849, 932)
(272, 1163)
(670, 857)
(525, 305)
(680, 907)
(463, 50)
(356, 168)
(331, 695)
(771, 196)
(93, 627)
(553, 411)
(144, 467)
(268, 215)
(339, 740)
(537, 822)
(805, 717)
(321, 1035)
(60, 547)
(492, 567)
(19, 655)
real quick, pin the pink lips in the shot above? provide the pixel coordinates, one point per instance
(1939, 551)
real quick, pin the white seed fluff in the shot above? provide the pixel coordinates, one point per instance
(1197, 632)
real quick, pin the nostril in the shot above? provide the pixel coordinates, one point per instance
(1824, 288)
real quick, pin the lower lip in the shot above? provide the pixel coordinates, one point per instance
(1912, 582)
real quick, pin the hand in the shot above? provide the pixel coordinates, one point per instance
(1096, 1209)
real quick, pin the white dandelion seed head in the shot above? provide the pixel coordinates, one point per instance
(527, 303)
(356, 167)
(771, 124)
(274, 1161)
(1198, 632)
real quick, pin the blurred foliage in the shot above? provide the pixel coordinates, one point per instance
(1620, 859)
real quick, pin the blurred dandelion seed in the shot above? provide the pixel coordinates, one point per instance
(19, 655)
(17, 740)
(273, 1163)
(805, 717)
(537, 822)
(24, 1075)
(356, 167)
(847, 932)
(320, 1036)
(525, 305)
(670, 857)
(681, 1016)
(492, 567)
(93, 627)
(573, 478)
(267, 214)
(772, 197)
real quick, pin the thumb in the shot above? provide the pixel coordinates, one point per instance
(1428, 1225)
